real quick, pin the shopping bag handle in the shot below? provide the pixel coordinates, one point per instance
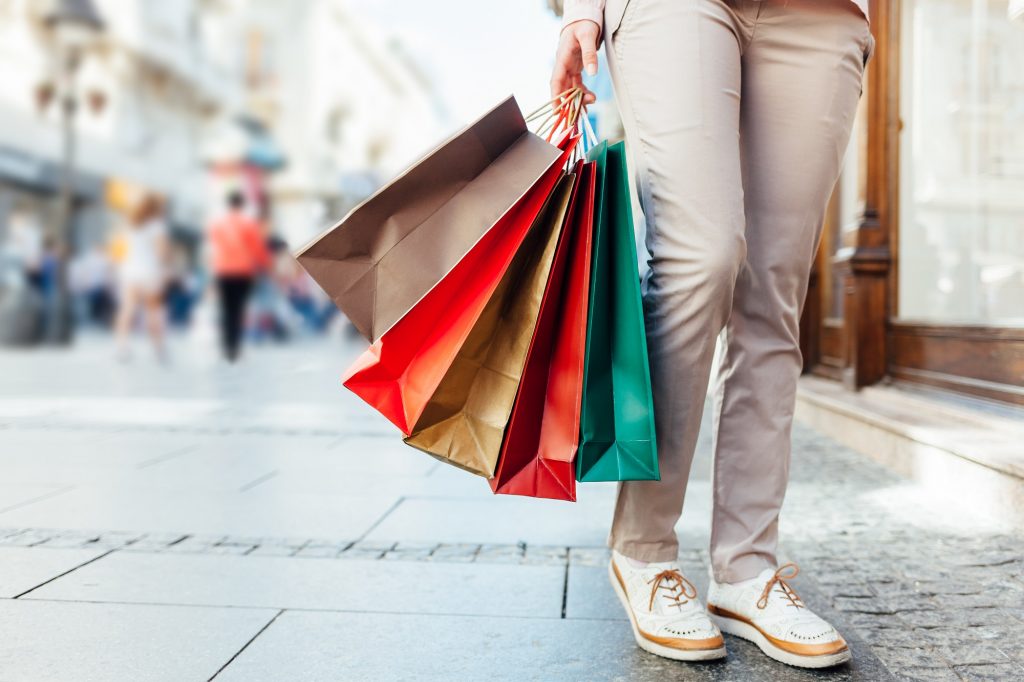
(566, 112)
(551, 103)
(589, 136)
(562, 111)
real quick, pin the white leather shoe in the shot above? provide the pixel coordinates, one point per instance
(768, 612)
(667, 618)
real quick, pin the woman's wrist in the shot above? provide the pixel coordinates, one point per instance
(567, 24)
(577, 10)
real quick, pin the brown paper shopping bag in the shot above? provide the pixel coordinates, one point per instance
(392, 249)
(465, 420)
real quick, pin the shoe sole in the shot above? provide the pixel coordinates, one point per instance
(751, 634)
(654, 647)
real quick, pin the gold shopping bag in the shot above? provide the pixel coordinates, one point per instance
(464, 421)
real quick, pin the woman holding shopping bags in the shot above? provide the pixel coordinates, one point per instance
(737, 114)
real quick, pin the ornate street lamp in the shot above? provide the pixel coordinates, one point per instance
(76, 28)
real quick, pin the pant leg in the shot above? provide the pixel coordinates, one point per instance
(224, 299)
(234, 293)
(242, 292)
(675, 66)
(801, 82)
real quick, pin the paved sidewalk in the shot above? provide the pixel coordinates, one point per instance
(259, 523)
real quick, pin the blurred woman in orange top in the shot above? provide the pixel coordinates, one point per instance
(239, 252)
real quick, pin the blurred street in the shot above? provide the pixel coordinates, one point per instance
(256, 522)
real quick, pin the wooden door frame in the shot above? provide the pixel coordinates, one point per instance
(862, 261)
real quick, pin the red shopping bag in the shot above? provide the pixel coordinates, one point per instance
(543, 432)
(398, 373)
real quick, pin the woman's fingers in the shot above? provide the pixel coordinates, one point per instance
(562, 76)
(577, 50)
(589, 52)
(560, 82)
(587, 33)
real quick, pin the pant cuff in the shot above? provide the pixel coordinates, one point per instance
(742, 568)
(649, 551)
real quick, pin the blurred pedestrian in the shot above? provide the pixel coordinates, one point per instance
(182, 288)
(307, 299)
(90, 275)
(49, 266)
(239, 252)
(22, 301)
(142, 275)
(24, 247)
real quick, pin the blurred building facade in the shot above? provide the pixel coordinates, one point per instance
(299, 103)
(148, 95)
(348, 106)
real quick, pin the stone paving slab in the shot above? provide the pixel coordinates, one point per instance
(249, 513)
(500, 520)
(352, 473)
(14, 495)
(56, 641)
(39, 457)
(183, 416)
(509, 519)
(30, 471)
(20, 438)
(332, 457)
(263, 445)
(338, 646)
(357, 585)
(382, 454)
(589, 595)
(289, 480)
(22, 568)
(320, 548)
(196, 472)
(917, 584)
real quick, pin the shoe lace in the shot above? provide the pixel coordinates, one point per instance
(680, 590)
(778, 581)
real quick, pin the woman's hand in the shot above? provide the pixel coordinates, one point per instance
(577, 49)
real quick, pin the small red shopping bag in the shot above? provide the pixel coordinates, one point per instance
(399, 373)
(542, 434)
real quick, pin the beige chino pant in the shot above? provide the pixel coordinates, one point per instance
(737, 116)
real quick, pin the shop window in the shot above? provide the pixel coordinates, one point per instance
(961, 237)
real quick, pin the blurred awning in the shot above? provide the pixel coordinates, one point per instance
(264, 152)
(244, 141)
(357, 185)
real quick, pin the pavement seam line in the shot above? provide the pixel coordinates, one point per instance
(158, 459)
(246, 645)
(184, 537)
(380, 520)
(258, 480)
(61, 575)
(310, 609)
(40, 498)
(565, 583)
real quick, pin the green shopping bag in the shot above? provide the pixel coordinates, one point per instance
(617, 440)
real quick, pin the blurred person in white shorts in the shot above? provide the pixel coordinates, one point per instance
(142, 276)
